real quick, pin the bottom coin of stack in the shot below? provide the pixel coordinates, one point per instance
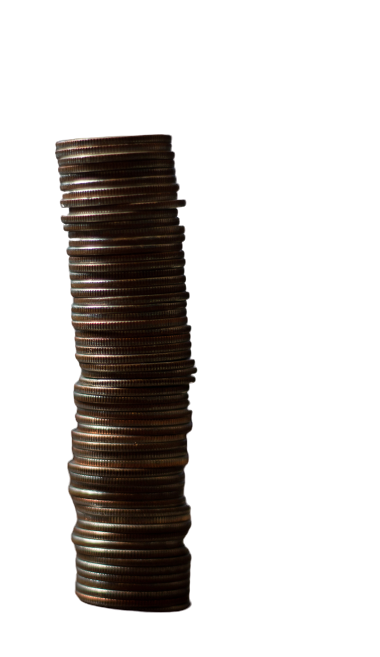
(127, 484)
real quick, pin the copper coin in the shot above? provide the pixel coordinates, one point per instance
(138, 566)
(120, 386)
(126, 231)
(82, 152)
(117, 195)
(132, 217)
(142, 159)
(134, 249)
(118, 573)
(133, 174)
(164, 285)
(119, 186)
(110, 360)
(135, 350)
(128, 311)
(121, 153)
(122, 224)
(82, 292)
(134, 595)
(79, 280)
(99, 213)
(139, 518)
(123, 416)
(95, 275)
(116, 430)
(97, 493)
(121, 278)
(133, 579)
(112, 141)
(90, 220)
(113, 162)
(151, 339)
(127, 301)
(123, 413)
(116, 467)
(103, 240)
(178, 604)
(121, 324)
(110, 368)
(98, 507)
(122, 443)
(132, 261)
(149, 402)
(125, 573)
(117, 442)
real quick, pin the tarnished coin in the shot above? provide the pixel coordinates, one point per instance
(124, 231)
(135, 358)
(113, 162)
(88, 229)
(112, 141)
(102, 195)
(128, 309)
(167, 246)
(164, 335)
(133, 174)
(133, 260)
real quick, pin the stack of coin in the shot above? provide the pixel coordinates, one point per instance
(133, 344)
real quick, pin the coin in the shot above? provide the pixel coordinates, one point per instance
(173, 605)
(100, 192)
(77, 227)
(112, 141)
(113, 162)
(138, 173)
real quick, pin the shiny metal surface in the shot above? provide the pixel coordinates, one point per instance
(126, 264)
